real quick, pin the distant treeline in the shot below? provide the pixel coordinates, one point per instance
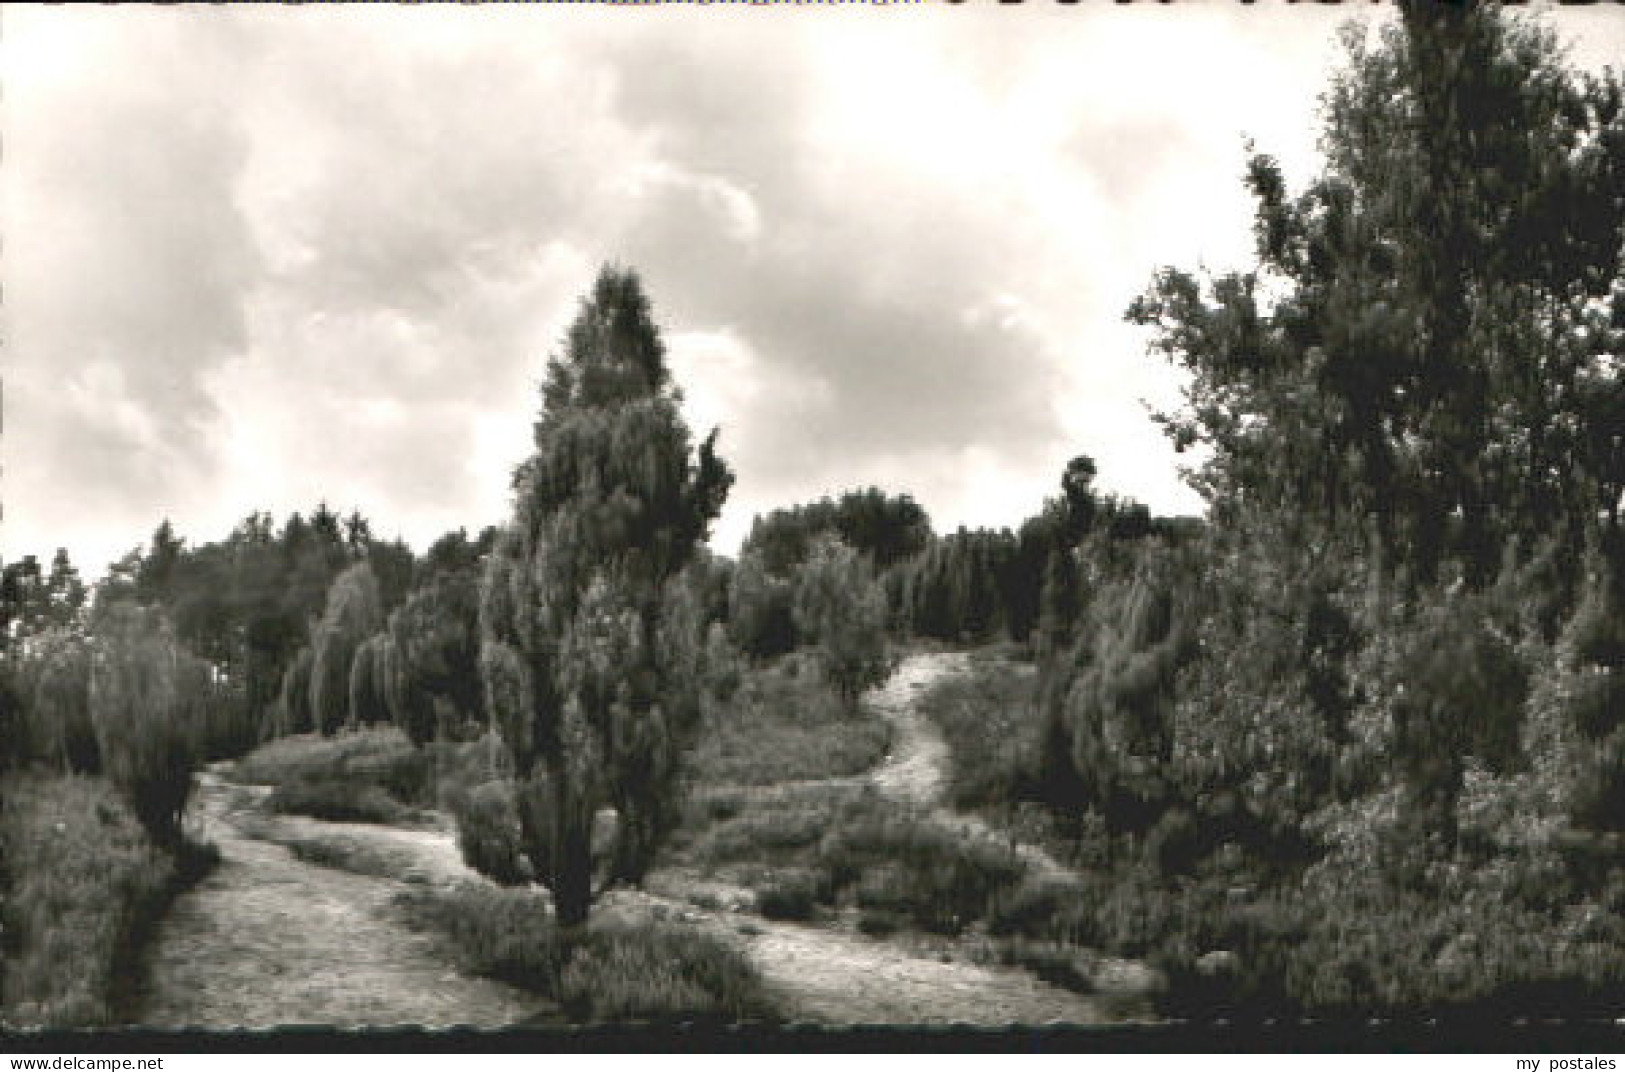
(314, 623)
(967, 586)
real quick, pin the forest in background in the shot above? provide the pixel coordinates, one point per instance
(1352, 743)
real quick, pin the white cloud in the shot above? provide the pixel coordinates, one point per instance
(259, 257)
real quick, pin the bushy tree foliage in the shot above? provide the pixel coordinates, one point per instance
(1574, 733)
(840, 607)
(369, 703)
(353, 613)
(1061, 602)
(12, 727)
(246, 603)
(759, 609)
(889, 529)
(579, 677)
(1449, 321)
(58, 675)
(23, 597)
(454, 553)
(1116, 717)
(146, 695)
(1396, 702)
(960, 587)
(64, 590)
(973, 585)
(33, 600)
(393, 566)
(1409, 384)
(434, 664)
(294, 704)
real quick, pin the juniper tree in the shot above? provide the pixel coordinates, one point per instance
(368, 703)
(608, 510)
(839, 605)
(352, 615)
(1116, 716)
(294, 703)
(759, 614)
(434, 666)
(59, 679)
(146, 694)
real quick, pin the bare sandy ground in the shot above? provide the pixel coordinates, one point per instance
(267, 939)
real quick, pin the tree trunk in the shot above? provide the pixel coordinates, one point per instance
(572, 881)
(571, 872)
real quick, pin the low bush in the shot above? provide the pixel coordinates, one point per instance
(793, 895)
(768, 832)
(288, 758)
(782, 726)
(939, 878)
(500, 933)
(879, 923)
(611, 972)
(86, 883)
(457, 768)
(338, 800)
(1047, 907)
(380, 756)
(1058, 964)
(1366, 949)
(488, 834)
(406, 776)
(655, 972)
(849, 847)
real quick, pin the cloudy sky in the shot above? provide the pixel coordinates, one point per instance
(257, 258)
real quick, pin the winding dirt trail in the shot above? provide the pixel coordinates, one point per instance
(840, 977)
(916, 772)
(270, 940)
(834, 976)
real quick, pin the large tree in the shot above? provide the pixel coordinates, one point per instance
(1417, 386)
(608, 511)
(1426, 359)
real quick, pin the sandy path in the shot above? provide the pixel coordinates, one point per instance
(827, 976)
(834, 976)
(916, 771)
(267, 940)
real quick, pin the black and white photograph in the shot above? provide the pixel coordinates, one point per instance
(965, 517)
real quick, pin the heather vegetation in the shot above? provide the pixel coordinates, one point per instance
(1351, 744)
